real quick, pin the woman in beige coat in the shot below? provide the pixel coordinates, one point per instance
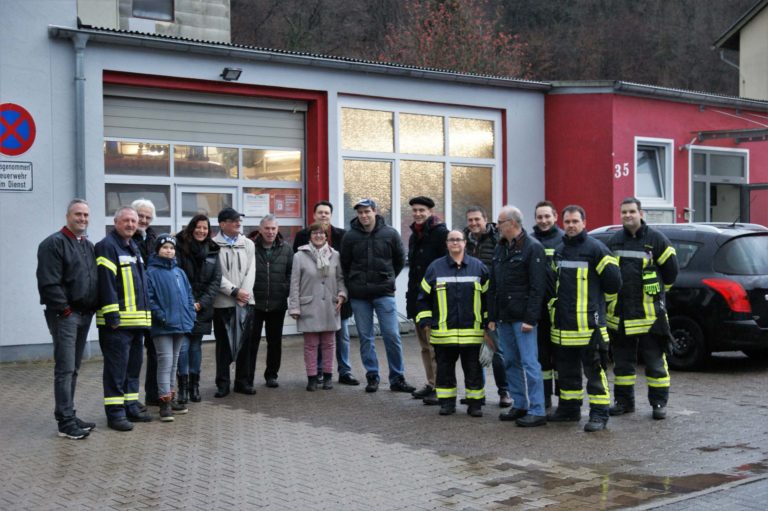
(317, 293)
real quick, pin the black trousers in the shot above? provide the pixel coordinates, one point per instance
(123, 353)
(625, 349)
(547, 356)
(570, 362)
(273, 322)
(224, 356)
(150, 378)
(446, 356)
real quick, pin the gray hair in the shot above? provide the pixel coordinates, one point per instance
(268, 218)
(512, 213)
(143, 203)
(122, 210)
(74, 202)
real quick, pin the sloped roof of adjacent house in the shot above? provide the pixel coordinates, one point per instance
(729, 40)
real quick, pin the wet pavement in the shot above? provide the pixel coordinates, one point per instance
(286, 448)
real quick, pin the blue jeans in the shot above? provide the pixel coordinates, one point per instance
(342, 348)
(191, 354)
(521, 358)
(390, 331)
(167, 348)
(69, 336)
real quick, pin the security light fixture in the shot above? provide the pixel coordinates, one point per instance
(231, 74)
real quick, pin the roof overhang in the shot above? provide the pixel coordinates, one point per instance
(159, 42)
(738, 136)
(729, 40)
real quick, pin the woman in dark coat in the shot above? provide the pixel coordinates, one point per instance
(198, 256)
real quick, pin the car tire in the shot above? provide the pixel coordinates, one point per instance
(688, 351)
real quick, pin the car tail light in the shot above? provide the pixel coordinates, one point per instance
(733, 293)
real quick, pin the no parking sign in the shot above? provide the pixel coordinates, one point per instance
(17, 129)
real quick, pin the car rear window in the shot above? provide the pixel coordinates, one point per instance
(685, 252)
(745, 255)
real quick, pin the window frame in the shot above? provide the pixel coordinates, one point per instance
(667, 172)
(398, 107)
(707, 178)
(172, 13)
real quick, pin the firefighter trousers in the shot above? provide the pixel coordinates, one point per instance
(123, 352)
(570, 362)
(446, 356)
(625, 350)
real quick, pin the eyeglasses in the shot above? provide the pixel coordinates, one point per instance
(455, 240)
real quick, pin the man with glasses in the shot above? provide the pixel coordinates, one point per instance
(237, 257)
(452, 312)
(517, 291)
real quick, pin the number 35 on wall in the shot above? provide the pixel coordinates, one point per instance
(621, 170)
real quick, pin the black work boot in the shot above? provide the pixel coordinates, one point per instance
(373, 382)
(194, 388)
(598, 420)
(183, 396)
(447, 406)
(311, 383)
(564, 413)
(624, 396)
(327, 381)
(659, 412)
(475, 409)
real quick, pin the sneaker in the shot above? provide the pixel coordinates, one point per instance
(178, 408)
(140, 417)
(72, 431)
(595, 424)
(513, 414)
(620, 409)
(166, 414)
(348, 379)
(120, 424)
(272, 383)
(85, 426)
(659, 412)
(373, 383)
(505, 401)
(423, 392)
(531, 421)
(401, 386)
(563, 415)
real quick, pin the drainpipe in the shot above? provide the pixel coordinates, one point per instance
(722, 57)
(79, 41)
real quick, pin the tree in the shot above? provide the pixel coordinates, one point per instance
(459, 35)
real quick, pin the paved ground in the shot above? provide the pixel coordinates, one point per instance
(287, 448)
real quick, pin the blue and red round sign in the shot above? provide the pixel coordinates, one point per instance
(17, 129)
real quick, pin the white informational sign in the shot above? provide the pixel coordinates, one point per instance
(15, 176)
(256, 205)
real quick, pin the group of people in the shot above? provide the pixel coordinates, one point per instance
(544, 306)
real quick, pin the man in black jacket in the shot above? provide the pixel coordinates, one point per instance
(322, 213)
(274, 261)
(427, 243)
(516, 293)
(372, 256)
(67, 281)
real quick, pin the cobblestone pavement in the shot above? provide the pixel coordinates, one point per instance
(286, 448)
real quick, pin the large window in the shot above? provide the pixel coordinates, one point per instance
(717, 176)
(653, 171)
(393, 151)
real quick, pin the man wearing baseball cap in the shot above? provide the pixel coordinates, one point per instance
(372, 256)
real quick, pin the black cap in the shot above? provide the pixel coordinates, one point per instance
(162, 240)
(424, 201)
(365, 203)
(229, 214)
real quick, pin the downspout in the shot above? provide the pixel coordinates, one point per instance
(732, 64)
(79, 41)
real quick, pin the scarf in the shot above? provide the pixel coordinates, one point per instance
(322, 257)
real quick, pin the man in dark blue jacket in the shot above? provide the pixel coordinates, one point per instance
(517, 291)
(66, 279)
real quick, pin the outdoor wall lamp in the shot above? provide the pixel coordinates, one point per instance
(231, 74)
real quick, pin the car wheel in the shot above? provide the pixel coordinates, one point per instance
(689, 351)
(757, 354)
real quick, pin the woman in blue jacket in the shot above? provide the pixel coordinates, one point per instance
(173, 316)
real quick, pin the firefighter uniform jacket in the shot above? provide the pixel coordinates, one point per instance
(649, 267)
(550, 239)
(587, 275)
(452, 301)
(123, 298)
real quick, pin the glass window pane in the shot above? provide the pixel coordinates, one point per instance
(470, 186)
(205, 161)
(726, 165)
(136, 158)
(471, 138)
(421, 134)
(420, 178)
(368, 179)
(272, 164)
(367, 130)
(701, 209)
(650, 171)
(283, 202)
(699, 164)
(117, 195)
(153, 9)
(208, 204)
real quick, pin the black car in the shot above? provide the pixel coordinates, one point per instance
(720, 299)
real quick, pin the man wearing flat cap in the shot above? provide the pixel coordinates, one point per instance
(372, 256)
(237, 257)
(427, 243)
